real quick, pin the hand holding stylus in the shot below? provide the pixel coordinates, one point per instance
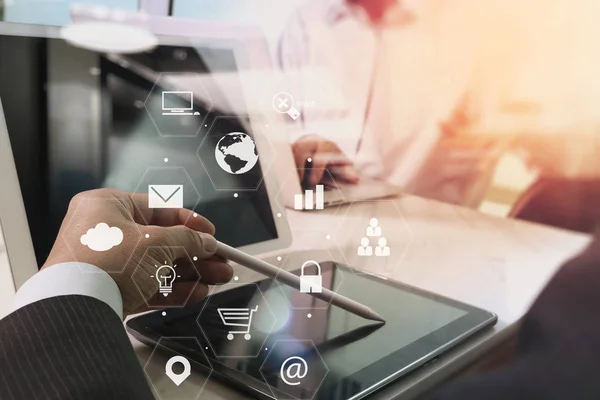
(150, 237)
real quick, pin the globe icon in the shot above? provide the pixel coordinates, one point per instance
(236, 153)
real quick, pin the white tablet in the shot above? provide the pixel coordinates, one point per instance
(135, 122)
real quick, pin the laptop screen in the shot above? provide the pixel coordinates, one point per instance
(151, 123)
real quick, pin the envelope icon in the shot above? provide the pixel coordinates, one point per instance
(165, 196)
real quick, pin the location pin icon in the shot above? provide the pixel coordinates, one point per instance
(178, 378)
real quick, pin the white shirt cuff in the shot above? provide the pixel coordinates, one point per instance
(70, 278)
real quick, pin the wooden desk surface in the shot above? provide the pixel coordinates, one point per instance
(496, 264)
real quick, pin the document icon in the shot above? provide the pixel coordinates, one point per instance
(165, 196)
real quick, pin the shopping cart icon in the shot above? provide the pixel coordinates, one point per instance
(237, 317)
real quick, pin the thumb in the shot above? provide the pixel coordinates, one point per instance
(183, 241)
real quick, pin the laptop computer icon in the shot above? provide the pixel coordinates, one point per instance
(178, 103)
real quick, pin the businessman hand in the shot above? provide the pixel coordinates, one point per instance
(325, 155)
(171, 235)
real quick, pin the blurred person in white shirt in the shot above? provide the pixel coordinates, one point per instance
(403, 68)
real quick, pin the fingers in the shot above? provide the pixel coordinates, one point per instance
(191, 284)
(198, 294)
(315, 175)
(214, 272)
(179, 242)
(303, 148)
(324, 154)
(184, 243)
(320, 160)
(196, 221)
(211, 272)
(186, 270)
(346, 173)
(330, 157)
(167, 217)
(217, 257)
(183, 293)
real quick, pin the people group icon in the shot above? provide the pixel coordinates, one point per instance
(374, 230)
(381, 248)
(365, 248)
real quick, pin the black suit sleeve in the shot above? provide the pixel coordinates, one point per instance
(558, 353)
(68, 347)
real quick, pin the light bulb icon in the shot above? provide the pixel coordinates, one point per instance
(165, 276)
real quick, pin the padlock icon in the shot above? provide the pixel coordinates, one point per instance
(311, 283)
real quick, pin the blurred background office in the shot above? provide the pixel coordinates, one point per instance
(542, 97)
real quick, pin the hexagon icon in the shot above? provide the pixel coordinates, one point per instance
(235, 329)
(294, 369)
(315, 272)
(166, 276)
(230, 153)
(90, 242)
(174, 375)
(178, 104)
(374, 236)
(168, 187)
(310, 198)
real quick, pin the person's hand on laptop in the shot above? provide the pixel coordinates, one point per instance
(325, 155)
(150, 237)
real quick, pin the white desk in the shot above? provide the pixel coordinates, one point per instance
(496, 264)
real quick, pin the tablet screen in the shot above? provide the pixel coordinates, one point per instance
(352, 353)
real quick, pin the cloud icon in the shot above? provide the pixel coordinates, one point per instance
(102, 237)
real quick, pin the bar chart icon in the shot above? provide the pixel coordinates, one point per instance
(311, 200)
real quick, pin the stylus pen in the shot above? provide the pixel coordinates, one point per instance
(292, 280)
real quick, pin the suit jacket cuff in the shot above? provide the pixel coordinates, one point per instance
(70, 278)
